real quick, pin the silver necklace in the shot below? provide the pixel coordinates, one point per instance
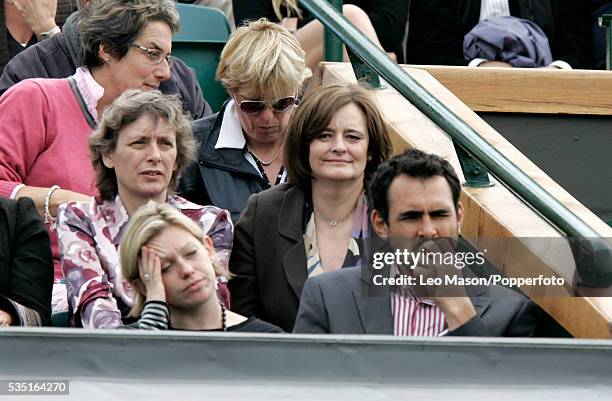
(333, 222)
(265, 162)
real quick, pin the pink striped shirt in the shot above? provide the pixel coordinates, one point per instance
(414, 316)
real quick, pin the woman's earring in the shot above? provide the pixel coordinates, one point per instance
(108, 163)
(369, 158)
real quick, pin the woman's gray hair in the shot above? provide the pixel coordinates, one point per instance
(115, 24)
(126, 109)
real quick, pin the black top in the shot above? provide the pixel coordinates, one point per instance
(26, 266)
(251, 325)
(14, 47)
(388, 17)
(156, 316)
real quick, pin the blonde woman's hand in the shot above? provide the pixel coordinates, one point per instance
(149, 267)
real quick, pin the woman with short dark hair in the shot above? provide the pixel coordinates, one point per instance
(318, 222)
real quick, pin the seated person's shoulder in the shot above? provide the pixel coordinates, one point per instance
(202, 126)
(519, 312)
(181, 71)
(32, 90)
(279, 190)
(45, 51)
(12, 207)
(273, 197)
(254, 325)
(72, 212)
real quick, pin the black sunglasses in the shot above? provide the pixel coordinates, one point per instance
(257, 106)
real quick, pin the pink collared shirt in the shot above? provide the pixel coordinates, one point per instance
(91, 91)
(414, 316)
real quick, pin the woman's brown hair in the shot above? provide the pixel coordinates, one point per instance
(313, 116)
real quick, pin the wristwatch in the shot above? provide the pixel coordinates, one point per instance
(51, 33)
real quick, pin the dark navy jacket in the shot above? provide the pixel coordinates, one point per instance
(219, 177)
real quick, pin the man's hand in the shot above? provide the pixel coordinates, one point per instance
(38, 14)
(435, 269)
(451, 299)
(5, 319)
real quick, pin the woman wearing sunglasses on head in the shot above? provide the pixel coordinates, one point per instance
(318, 222)
(45, 124)
(263, 69)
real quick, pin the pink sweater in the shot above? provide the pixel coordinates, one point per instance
(44, 141)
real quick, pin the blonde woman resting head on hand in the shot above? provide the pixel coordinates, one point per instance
(169, 261)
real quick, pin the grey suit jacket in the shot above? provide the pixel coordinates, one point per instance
(340, 303)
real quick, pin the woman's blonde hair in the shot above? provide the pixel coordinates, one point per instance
(126, 109)
(291, 6)
(145, 224)
(262, 58)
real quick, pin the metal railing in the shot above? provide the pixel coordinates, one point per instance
(606, 21)
(460, 132)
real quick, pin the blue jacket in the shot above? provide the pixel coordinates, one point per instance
(219, 177)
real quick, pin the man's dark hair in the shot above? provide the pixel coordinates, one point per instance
(413, 163)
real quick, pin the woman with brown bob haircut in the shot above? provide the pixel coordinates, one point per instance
(317, 222)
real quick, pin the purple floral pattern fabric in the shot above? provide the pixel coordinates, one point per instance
(89, 235)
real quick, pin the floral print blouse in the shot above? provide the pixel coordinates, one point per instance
(89, 235)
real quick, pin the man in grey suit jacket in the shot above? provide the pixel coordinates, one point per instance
(415, 195)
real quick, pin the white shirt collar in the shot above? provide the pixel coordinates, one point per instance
(230, 134)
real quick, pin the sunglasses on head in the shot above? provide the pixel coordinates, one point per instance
(257, 106)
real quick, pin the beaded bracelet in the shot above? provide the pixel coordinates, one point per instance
(48, 217)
